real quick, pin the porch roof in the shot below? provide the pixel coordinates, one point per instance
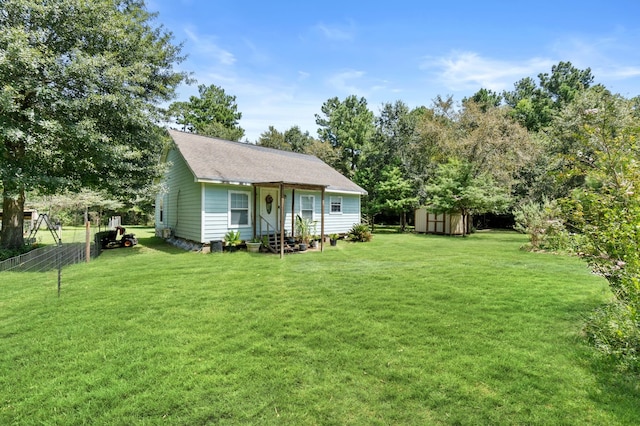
(221, 161)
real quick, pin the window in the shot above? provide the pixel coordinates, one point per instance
(336, 205)
(306, 206)
(238, 208)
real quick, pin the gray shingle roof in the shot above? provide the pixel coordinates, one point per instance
(218, 160)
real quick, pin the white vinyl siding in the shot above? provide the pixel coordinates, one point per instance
(181, 202)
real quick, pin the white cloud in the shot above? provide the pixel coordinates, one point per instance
(606, 56)
(463, 71)
(336, 32)
(206, 45)
(303, 75)
(343, 81)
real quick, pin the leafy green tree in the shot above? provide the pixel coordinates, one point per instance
(485, 98)
(212, 113)
(605, 210)
(395, 194)
(542, 224)
(389, 146)
(456, 189)
(296, 140)
(492, 143)
(534, 105)
(564, 82)
(324, 151)
(347, 125)
(79, 87)
(291, 140)
(272, 138)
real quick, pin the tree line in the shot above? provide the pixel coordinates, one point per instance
(559, 153)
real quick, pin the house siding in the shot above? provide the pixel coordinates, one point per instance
(216, 212)
(339, 223)
(181, 200)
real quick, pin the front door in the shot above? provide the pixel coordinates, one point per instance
(269, 210)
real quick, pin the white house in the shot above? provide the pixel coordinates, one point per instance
(212, 186)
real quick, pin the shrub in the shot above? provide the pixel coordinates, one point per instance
(9, 253)
(614, 330)
(542, 224)
(360, 232)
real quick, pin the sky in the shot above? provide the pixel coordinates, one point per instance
(283, 59)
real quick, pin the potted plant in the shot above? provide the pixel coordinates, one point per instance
(314, 237)
(232, 240)
(253, 246)
(303, 229)
(333, 239)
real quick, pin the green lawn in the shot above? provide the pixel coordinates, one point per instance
(407, 329)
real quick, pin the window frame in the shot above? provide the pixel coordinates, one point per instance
(313, 206)
(339, 201)
(231, 209)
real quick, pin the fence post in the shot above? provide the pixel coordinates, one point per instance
(87, 249)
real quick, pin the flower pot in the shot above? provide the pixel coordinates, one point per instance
(302, 247)
(253, 247)
(333, 242)
(216, 246)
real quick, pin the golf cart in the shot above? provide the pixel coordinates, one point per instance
(109, 239)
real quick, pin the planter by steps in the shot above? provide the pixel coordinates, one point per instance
(253, 247)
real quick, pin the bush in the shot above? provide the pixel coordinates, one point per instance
(542, 224)
(9, 253)
(615, 331)
(360, 232)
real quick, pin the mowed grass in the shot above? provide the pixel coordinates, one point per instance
(407, 329)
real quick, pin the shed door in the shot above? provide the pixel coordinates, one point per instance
(269, 199)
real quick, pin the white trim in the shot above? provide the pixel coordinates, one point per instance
(202, 212)
(313, 205)
(223, 182)
(242, 225)
(331, 204)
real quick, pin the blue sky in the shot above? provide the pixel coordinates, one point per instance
(283, 59)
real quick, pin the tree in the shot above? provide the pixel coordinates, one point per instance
(564, 82)
(395, 194)
(535, 105)
(485, 98)
(455, 189)
(296, 140)
(347, 126)
(389, 145)
(212, 113)
(492, 143)
(272, 138)
(605, 131)
(291, 140)
(80, 82)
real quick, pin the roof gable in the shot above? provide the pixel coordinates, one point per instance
(217, 160)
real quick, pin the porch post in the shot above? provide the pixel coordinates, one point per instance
(322, 223)
(293, 210)
(282, 220)
(255, 209)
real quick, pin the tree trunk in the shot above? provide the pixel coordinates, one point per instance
(12, 220)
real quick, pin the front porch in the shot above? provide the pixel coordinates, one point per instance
(271, 210)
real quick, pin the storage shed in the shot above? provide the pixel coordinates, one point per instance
(427, 222)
